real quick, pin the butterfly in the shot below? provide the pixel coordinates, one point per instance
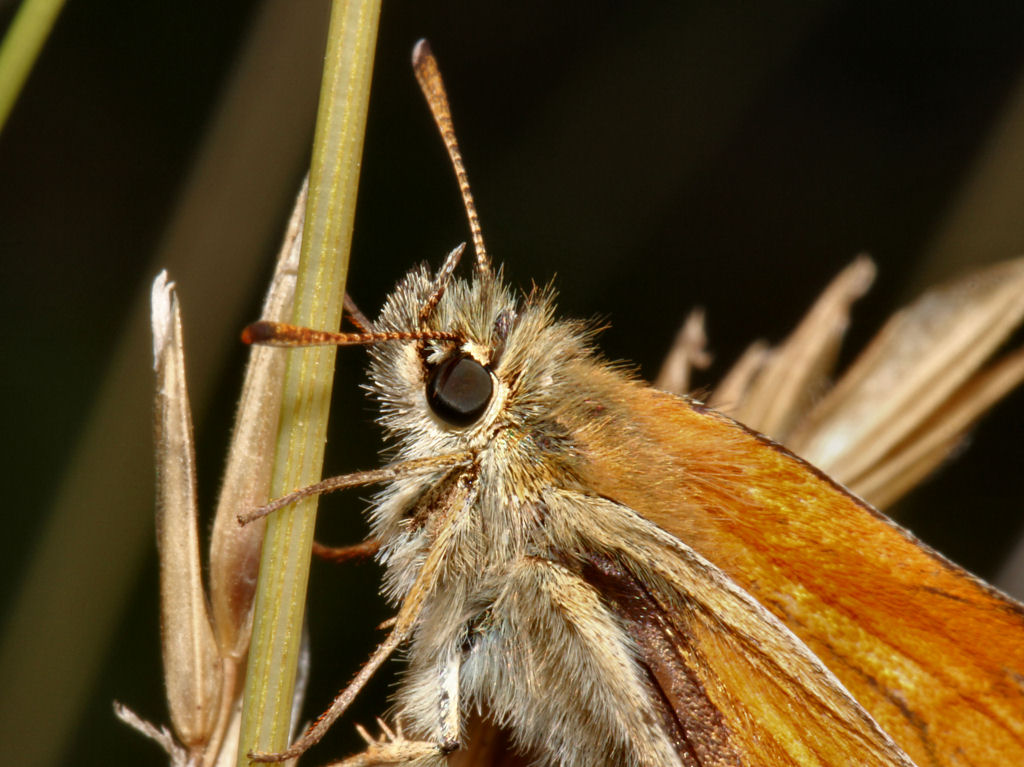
(590, 570)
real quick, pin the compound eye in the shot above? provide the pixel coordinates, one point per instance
(459, 390)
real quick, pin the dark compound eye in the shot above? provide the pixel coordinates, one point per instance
(459, 390)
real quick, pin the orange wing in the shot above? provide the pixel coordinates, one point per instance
(734, 687)
(933, 653)
(729, 685)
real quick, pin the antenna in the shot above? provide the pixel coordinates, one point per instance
(429, 77)
(266, 333)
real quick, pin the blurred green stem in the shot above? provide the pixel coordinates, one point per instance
(330, 210)
(20, 49)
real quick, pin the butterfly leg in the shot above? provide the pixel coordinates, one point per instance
(392, 747)
(356, 552)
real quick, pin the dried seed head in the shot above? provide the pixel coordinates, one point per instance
(192, 666)
(235, 551)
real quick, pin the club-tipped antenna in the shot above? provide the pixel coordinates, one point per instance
(429, 77)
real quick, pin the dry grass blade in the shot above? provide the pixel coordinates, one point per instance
(921, 357)
(688, 352)
(733, 387)
(781, 390)
(933, 441)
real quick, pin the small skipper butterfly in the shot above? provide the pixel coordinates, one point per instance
(589, 570)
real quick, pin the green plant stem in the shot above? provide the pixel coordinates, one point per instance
(20, 49)
(284, 567)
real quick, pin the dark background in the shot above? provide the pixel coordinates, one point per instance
(651, 156)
